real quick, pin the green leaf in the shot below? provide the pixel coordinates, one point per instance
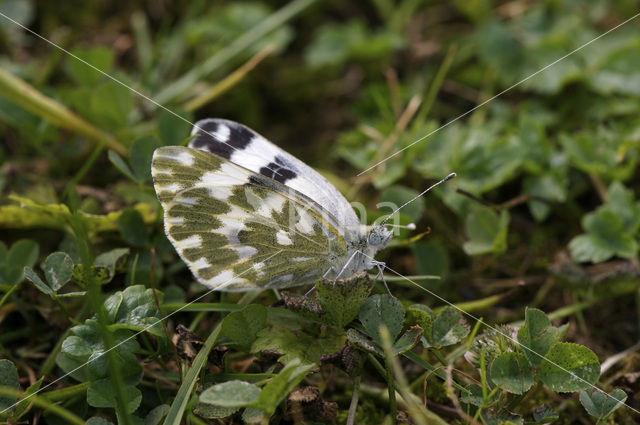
(294, 342)
(501, 49)
(33, 277)
(140, 157)
(382, 309)
(23, 253)
(407, 340)
(104, 267)
(597, 152)
(99, 57)
(132, 228)
(431, 259)
(155, 416)
(81, 354)
(231, 394)
(171, 128)
(569, 367)
(8, 378)
(510, 371)
(620, 201)
(550, 186)
(537, 335)
(121, 165)
(136, 308)
(360, 340)
(336, 43)
(487, 231)
(114, 260)
(58, 268)
(449, 327)
(600, 405)
(210, 411)
(341, 300)
(102, 394)
(472, 394)
(243, 326)
(604, 238)
(109, 105)
(281, 385)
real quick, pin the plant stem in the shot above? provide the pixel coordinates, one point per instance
(419, 414)
(393, 407)
(67, 416)
(25, 95)
(435, 85)
(9, 292)
(66, 393)
(351, 417)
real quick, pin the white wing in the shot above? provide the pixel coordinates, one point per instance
(243, 146)
(238, 230)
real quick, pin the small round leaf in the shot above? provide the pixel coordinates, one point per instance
(511, 372)
(231, 394)
(569, 367)
(58, 268)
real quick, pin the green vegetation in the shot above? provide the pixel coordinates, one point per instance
(523, 293)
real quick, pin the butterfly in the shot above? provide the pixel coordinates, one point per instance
(244, 214)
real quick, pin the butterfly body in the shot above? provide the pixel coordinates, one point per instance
(243, 214)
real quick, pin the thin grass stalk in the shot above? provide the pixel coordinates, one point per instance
(240, 44)
(64, 414)
(229, 81)
(419, 414)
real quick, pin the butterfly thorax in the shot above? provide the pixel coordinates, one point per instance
(362, 245)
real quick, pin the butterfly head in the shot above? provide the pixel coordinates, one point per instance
(379, 237)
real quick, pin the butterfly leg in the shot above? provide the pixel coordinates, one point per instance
(346, 264)
(314, 286)
(380, 266)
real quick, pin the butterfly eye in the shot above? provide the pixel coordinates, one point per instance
(374, 238)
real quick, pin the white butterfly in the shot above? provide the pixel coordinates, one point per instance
(244, 214)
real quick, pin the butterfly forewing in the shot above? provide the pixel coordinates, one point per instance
(248, 149)
(238, 230)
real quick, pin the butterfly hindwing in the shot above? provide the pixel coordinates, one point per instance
(238, 230)
(245, 147)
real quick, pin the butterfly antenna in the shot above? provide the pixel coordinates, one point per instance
(449, 177)
(410, 226)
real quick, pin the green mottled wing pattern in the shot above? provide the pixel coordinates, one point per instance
(238, 230)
